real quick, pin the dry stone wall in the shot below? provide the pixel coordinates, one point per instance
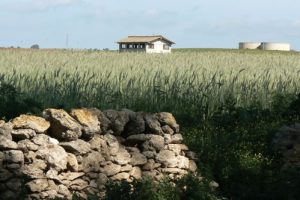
(78, 152)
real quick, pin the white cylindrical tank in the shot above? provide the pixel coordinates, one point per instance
(249, 45)
(275, 46)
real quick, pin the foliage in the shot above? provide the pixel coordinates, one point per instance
(35, 46)
(13, 103)
(189, 187)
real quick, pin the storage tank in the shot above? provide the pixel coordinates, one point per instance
(275, 46)
(249, 45)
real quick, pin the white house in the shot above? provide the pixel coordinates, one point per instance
(148, 44)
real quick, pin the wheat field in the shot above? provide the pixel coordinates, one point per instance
(185, 82)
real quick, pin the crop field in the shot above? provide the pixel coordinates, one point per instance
(184, 82)
(230, 103)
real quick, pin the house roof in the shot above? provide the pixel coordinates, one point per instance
(144, 39)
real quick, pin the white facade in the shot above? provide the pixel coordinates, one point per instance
(158, 47)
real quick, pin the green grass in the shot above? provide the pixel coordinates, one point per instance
(186, 82)
(229, 102)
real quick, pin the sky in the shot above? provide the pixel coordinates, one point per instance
(189, 23)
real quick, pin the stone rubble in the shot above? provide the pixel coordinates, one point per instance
(78, 152)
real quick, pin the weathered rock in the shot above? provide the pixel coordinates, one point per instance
(52, 174)
(14, 156)
(150, 165)
(32, 172)
(120, 176)
(166, 118)
(173, 171)
(54, 155)
(126, 168)
(72, 163)
(5, 130)
(70, 176)
(78, 184)
(192, 166)
(27, 145)
(22, 134)
(63, 126)
(38, 124)
(168, 138)
(29, 156)
(7, 144)
(183, 162)
(137, 139)
(91, 163)
(137, 159)
(122, 157)
(112, 143)
(40, 139)
(118, 120)
(155, 143)
(37, 185)
(102, 179)
(2, 122)
(136, 124)
(177, 138)
(105, 123)
(63, 190)
(167, 158)
(98, 143)
(152, 124)
(167, 130)
(149, 154)
(77, 147)
(191, 155)
(136, 173)
(177, 148)
(88, 120)
(111, 169)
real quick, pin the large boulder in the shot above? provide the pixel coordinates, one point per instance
(54, 155)
(89, 121)
(5, 130)
(7, 144)
(112, 143)
(118, 120)
(152, 124)
(77, 147)
(122, 157)
(166, 118)
(136, 124)
(38, 124)
(167, 158)
(63, 126)
(22, 134)
(91, 163)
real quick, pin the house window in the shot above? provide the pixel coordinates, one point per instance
(151, 46)
(123, 46)
(166, 47)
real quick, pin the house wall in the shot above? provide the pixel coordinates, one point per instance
(158, 47)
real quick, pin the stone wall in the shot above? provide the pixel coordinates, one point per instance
(78, 152)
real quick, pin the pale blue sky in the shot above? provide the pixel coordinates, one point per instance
(189, 23)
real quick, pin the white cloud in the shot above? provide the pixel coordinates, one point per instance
(44, 4)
